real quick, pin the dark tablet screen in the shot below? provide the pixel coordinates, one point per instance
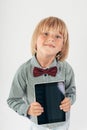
(50, 95)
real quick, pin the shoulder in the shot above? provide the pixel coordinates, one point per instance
(64, 64)
(23, 67)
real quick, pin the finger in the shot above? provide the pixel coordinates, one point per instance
(35, 108)
(65, 107)
(65, 100)
(36, 104)
(37, 113)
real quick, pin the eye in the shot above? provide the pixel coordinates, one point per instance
(58, 36)
(46, 33)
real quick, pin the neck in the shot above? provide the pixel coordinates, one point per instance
(44, 61)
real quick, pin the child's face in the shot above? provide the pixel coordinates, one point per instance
(49, 43)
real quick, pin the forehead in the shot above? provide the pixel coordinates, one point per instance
(51, 30)
(58, 28)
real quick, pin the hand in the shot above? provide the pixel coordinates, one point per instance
(65, 104)
(35, 109)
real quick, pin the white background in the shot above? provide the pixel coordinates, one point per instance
(17, 21)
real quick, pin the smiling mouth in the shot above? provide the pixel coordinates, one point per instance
(50, 45)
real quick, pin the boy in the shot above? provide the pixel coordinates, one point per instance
(50, 44)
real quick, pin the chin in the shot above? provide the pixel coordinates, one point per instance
(50, 55)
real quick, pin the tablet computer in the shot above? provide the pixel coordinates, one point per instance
(50, 95)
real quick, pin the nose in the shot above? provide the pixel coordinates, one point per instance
(51, 38)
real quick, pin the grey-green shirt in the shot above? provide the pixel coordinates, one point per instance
(22, 92)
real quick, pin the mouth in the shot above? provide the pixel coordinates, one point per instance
(50, 45)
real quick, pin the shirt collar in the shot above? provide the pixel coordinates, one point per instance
(34, 62)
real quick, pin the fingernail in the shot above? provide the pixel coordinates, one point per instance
(60, 107)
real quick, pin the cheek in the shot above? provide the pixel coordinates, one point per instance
(38, 42)
(59, 46)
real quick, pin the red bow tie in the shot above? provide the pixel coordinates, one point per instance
(38, 71)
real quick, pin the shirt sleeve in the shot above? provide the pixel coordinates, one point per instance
(17, 98)
(70, 83)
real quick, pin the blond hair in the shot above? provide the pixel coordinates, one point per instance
(53, 23)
